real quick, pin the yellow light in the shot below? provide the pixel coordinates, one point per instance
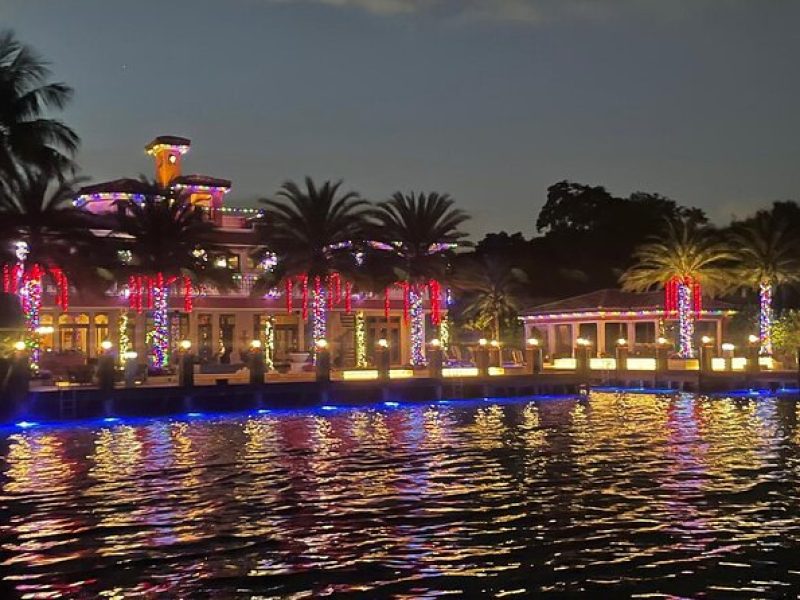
(662, 341)
(602, 364)
(106, 345)
(360, 375)
(383, 343)
(255, 344)
(641, 364)
(622, 342)
(400, 373)
(45, 330)
(494, 344)
(435, 343)
(706, 340)
(565, 363)
(321, 344)
(753, 339)
(460, 372)
(130, 355)
(497, 371)
(483, 342)
(582, 342)
(532, 342)
(19, 345)
(728, 347)
(186, 345)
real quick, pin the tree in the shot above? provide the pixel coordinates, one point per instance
(162, 243)
(44, 237)
(767, 257)
(686, 259)
(311, 232)
(418, 233)
(786, 334)
(29, 139)
(491, 291)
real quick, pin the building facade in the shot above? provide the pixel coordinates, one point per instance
(221, 326)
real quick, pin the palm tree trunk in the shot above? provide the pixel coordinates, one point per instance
(319, 315)
(496, 320)
(685, 321)
(31, 299)
(417, 327)
(159, 350)
(765, 294)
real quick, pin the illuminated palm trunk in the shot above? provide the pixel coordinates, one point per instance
(159, 351)
(765, 292)
(685, 321)
(31, 297)
(417, 317)
(319, 314)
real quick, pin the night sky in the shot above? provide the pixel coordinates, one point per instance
(489, 100)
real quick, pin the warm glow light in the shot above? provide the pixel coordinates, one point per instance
(383, 343)
(662, 341)
(255, 344)
(602, 364)
(19, 346)
(435, 343)
(622, 342)
(400, 373)
(753, 339)
(728, 347)
(497, 371)
(494, 344)
(641, 364)
(582, 342)
(565, 363)
(360, 375)
(460, 372)
(321, 344)
(186, 344)
(106, 345)
(739, 363)
(706, 340)
(130, 355)
(483, 342)
(532, 342)
(45, 330)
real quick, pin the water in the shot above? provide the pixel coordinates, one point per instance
(611, 497)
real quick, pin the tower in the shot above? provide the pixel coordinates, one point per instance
(167, 151)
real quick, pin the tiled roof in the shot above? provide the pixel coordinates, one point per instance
(169, 140)
(612, 299)
(202, 180)
(117, 186)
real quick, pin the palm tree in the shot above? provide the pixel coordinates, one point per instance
(161, 243)
(766, 258)
(43, 236)
(418, 233)
(492, 290)
(311, 233)
(28, 139)
(686, 259)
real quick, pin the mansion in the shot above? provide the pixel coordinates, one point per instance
(221, 326)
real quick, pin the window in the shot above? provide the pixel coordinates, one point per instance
(645, 333)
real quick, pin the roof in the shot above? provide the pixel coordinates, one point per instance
(117, 186)
(201, 181)
(168, 140)
(613, 299)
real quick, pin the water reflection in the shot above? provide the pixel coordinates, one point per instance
(608, 496)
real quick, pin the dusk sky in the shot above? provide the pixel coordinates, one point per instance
(489, 100)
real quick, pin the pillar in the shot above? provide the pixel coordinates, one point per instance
(600, 326)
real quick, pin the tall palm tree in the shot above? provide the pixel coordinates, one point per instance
(311, 232)
(688, 258)
(162, 243)
(418, 233)
(43, 236)
(28, 138)
(766, 257)
(491, 290)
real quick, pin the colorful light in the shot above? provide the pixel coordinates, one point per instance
(124, 337)
(685, 320)
(417, 316)
(360, 330)
(765, 316)
(159, 300)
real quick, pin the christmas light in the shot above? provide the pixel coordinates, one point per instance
(765, 291)
(269, 342)
(159, 297)
(125, 345)
(444, 332)
(360, 340)
(417, 315)
(685, 321)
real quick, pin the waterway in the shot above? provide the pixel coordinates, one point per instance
(606, 496)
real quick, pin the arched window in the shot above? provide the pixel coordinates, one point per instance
(100, 331)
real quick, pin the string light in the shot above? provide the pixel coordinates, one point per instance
(159, 297)
(417, 315)
(685, 321)
(124, 336)
(765, 317)
(444, 332)
(361, 340)
(269, 342)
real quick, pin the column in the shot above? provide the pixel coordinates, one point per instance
(301, 334)
(215, 333)
(138, 343)
(113, 328)
(631, 334)
(718, 340)
(91, 338)
(193, 334)
(551, 339)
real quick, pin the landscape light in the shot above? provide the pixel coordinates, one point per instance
(186, 345)
(383, 343)
(622, 342)
(532, 342)
(106, 345)
(255, 344)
